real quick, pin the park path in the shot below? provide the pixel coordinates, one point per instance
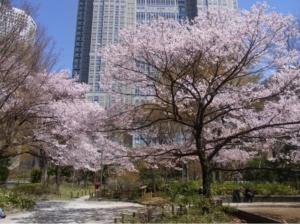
(75, 211)
(281, 211)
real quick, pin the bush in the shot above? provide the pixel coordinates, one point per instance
(125, 186)
(182, 192)
(226, 188)
(151, 178)
(10, 199)
(273, 174)
(272, 188)
(36, 176)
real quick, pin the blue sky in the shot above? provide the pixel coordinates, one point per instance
(59, 19)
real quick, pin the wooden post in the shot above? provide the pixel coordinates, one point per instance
(133, 217)
(148, 214)
(173, 209)
(123, 218)
(162, 211)
(115, 220)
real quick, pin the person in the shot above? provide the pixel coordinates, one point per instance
(97, 186)
(200, 191)
(236, 196)
(2, 214)
(248, 195)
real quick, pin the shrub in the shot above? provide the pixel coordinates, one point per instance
(272, 188)
(273, 174)
(152, 178)
(36, 176)
(226, 188)
(174, 189)
(124, 186)
(10, 199)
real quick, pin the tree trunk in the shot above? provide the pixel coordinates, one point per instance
(57, 178)
(45, 178)
(44, 167)
(206, 179)
(73, 178)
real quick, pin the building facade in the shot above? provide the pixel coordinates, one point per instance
(109, 17)
(83, 39)
(212, 4)
(100, 21)
(16, 21)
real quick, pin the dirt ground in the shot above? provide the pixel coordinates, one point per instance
(288, 214)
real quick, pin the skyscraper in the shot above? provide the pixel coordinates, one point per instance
(210, 4)
(16, 21)
(149, 10)
(100, 21)
(83, 39)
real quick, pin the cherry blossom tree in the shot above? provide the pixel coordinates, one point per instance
(20, 60)
(72, 138)
(46, 114)
(227, 82)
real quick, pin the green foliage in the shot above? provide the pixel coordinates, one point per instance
(260, 175)
(33, 189)
(272, 188)
(4, 171)
(175, 188)
(64, 171)
(36, 176)
(226, 188)
(183, 193)
(281, 175)
(10, 199)
(151, 178)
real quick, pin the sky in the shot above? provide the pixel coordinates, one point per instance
(58, 17)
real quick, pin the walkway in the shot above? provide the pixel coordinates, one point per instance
(285, 211)
(75, 211)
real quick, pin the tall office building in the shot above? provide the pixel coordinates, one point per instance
(16, 21)
(99, 23)
(148, 10)
(83, 39)
(211, 4)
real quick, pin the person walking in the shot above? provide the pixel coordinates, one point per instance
(248, 195)
(2, 214)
